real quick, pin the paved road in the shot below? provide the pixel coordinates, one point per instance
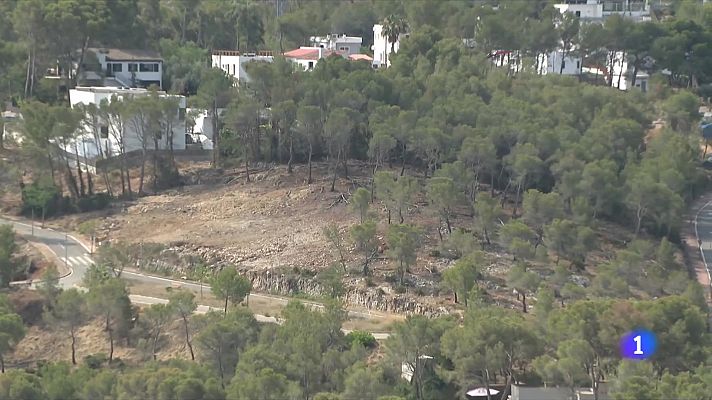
(703, 231)
(77, 258)
(68, 250)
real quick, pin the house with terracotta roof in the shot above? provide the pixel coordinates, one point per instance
(307, 57)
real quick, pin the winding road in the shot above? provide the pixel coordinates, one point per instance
(77, 258)
(703, 233)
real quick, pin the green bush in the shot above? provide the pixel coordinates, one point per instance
(98, 201)
(363, 338)
(95, 361)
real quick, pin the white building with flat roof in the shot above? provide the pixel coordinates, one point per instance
(382, 47)
(335, 42)
(233, 62)
(131, 68)
(109, 142)
(597, 10)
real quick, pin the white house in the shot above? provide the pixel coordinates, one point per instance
(382, 47)
(307, 57)
(233, 62)
(131, 68)
(342, 43)
(11, 118)
(597, 10)
(201, 127)
(110, 140)
(552, 64)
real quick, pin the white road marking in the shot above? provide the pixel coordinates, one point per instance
(80, 243)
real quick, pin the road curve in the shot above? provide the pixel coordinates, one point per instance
(703, 233)
(78, 259)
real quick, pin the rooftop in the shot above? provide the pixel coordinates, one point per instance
(108, 89)
(127, 54)
(242, 53)
(360, 57)
(336, 37)
(309, 53)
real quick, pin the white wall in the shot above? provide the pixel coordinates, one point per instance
(127, 76)
(131, 140)
(234, 65)
(305, 64)
(588, 11)
(349, 44)
(382, 48)
(552, 64)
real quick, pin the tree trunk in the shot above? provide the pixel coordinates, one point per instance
(516, 199)
(635, 76)
(333, 177)
(90, 185)
(309, 161)
(143, 171)
(620, 73)
(447, 223)
(155, 163)
(291, 154)
(2, 364)
(220, 367)
(187, 338)
(639, 220)
(247, 170)
(226, 300)
(71, 181)
(487, 386)
(74, 340)
(403, 160)
(128, 179)
(524, 301)
(111, 345)
(155, 343)
(80, 175)
(216, 136)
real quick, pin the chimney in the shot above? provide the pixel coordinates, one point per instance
(321, 51)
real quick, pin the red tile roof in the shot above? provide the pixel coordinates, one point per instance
(360, 57)
(304, 54)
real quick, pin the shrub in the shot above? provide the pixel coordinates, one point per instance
(363, 338)
(95, 361)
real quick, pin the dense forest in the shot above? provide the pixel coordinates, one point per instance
(538, 168)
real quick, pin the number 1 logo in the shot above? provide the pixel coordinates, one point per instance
(638, 344)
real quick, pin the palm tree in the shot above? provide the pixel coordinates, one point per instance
(393, 27)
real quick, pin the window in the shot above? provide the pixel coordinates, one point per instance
(181, 114)
(133, 67)
(311, 64)
(578, 64)
(148, 67)
(104, 132)
(344, 48)
(578, 13)
(114, 67)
